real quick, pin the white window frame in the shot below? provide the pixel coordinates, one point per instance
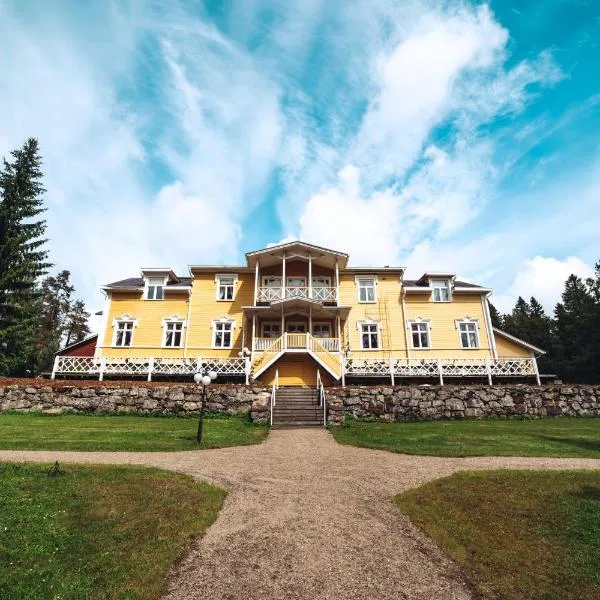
(360, 278)
(377, 324)
(420, 322)
(270, 324)
(219, 285)
(441, 284)
(165, 327)
(116, 323)
(475, 323)
(301, 323)
(148, 284)
(322, 324)
(215, 324)
(271, 277)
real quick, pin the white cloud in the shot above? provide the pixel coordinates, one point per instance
(543, 278)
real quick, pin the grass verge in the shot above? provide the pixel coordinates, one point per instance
(96, 532)
(518, 534)
(557, 436)
(127, 433)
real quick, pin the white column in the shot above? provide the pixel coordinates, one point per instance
(488, 370)
(254, 332)
(256, 282)
(310, 319)
(102, 368)
(337, 282)
(343, 371)
(338, 323)
(150, 368)
(283, 338)
(439, 366)
(283, 281)
(392, 370)
(537, 372)
(55, 367)
(310, 278)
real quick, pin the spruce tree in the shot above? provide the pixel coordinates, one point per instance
(495, 316)
(77, 327)
(23, 258)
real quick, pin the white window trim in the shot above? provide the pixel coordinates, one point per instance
(467, 319)
(147, 285)
(321, 323)
(296, 277)
(214, 333)
(448, 285)
(321, 277)
(410, 333)
(262, 327)
(359, 325)
(218, 285)
(173, 319)
(265, 277)
(115, 325)
(303, 323)
(357, 279)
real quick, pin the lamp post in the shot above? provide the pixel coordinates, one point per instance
(204, 379)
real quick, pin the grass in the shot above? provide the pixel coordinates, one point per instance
(127, 433)
(96, 532)
(558, 436)
(518, 534)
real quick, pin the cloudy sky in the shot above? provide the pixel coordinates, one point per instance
(439, 135)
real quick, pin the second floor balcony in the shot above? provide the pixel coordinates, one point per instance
(326, 295)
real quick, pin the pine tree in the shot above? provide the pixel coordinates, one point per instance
(53, 314)
(77, 323)
(22, 257)
(495, 316)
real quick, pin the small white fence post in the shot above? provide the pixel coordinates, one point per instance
(392, 370)
(199, 365)
(536, 371)
(150, 367)
(343, 371)
(247, 367)
(439, 366)
(102, 368)
(488, 370)
(55, 367)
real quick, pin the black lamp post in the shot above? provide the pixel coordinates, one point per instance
(204, 379)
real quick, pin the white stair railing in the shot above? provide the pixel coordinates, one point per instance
(321, 397)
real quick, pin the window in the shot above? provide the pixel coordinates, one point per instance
(155, 288)
(366, 289)
(272, 281)
(369, 337)
(225, 287)
(271, 330)
(322, 330)
(296, 327)
(173, 334)
(123, 333)
(468, 335)
(420, 334)
(222, 334)
(441, 290)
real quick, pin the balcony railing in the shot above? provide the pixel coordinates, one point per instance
(297, 341)
(272, 294)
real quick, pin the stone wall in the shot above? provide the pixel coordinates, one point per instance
(456, 402)
(135, 398)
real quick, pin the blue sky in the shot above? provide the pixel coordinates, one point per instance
(439, 135)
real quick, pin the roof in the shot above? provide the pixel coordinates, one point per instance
(296, 243)
(85, 340)
(422, 283)
(138, 283)
(518, 340)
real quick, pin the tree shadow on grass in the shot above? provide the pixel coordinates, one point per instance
(590, 445)
(588, 492)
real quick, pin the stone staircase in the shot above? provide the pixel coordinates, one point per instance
(297, 407)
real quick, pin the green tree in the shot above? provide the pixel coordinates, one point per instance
(77, 323)
(495, 316)
(23, 259)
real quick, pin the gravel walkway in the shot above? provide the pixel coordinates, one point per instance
(309, 518)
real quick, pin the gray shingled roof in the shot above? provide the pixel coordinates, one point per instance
(139, 282)
(419, 283)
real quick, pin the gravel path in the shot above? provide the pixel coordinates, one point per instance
(307, 518)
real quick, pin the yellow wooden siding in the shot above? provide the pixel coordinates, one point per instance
(295, 369)
(445, 338)
(508, 349)
(147, 335)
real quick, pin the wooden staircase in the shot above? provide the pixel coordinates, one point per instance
(297, 407)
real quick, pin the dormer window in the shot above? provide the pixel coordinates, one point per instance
(155, 288)
(441, 290)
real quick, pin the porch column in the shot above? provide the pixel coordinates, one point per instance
(253, 332)
(338, 323)
(283, 327)
(310, 278)
(337, 282)
(310, 319)
(283, 281)
(256, 280)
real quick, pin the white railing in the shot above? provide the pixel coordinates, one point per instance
(322, 398)
(442, 367)
(261, 344)
(272, 294)
(296, 341)
(148, 366)
(329, 343)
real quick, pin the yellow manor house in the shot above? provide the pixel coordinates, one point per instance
(298, 315)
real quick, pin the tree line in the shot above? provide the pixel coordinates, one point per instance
(570, 337)
(38, 311)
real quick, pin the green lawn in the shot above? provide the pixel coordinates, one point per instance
(559, 436)
(96, 532)
(134, 433)
(520, 535)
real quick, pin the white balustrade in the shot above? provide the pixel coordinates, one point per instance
(273, 294)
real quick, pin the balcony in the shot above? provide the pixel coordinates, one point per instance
(327, 295)
(297, 341)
